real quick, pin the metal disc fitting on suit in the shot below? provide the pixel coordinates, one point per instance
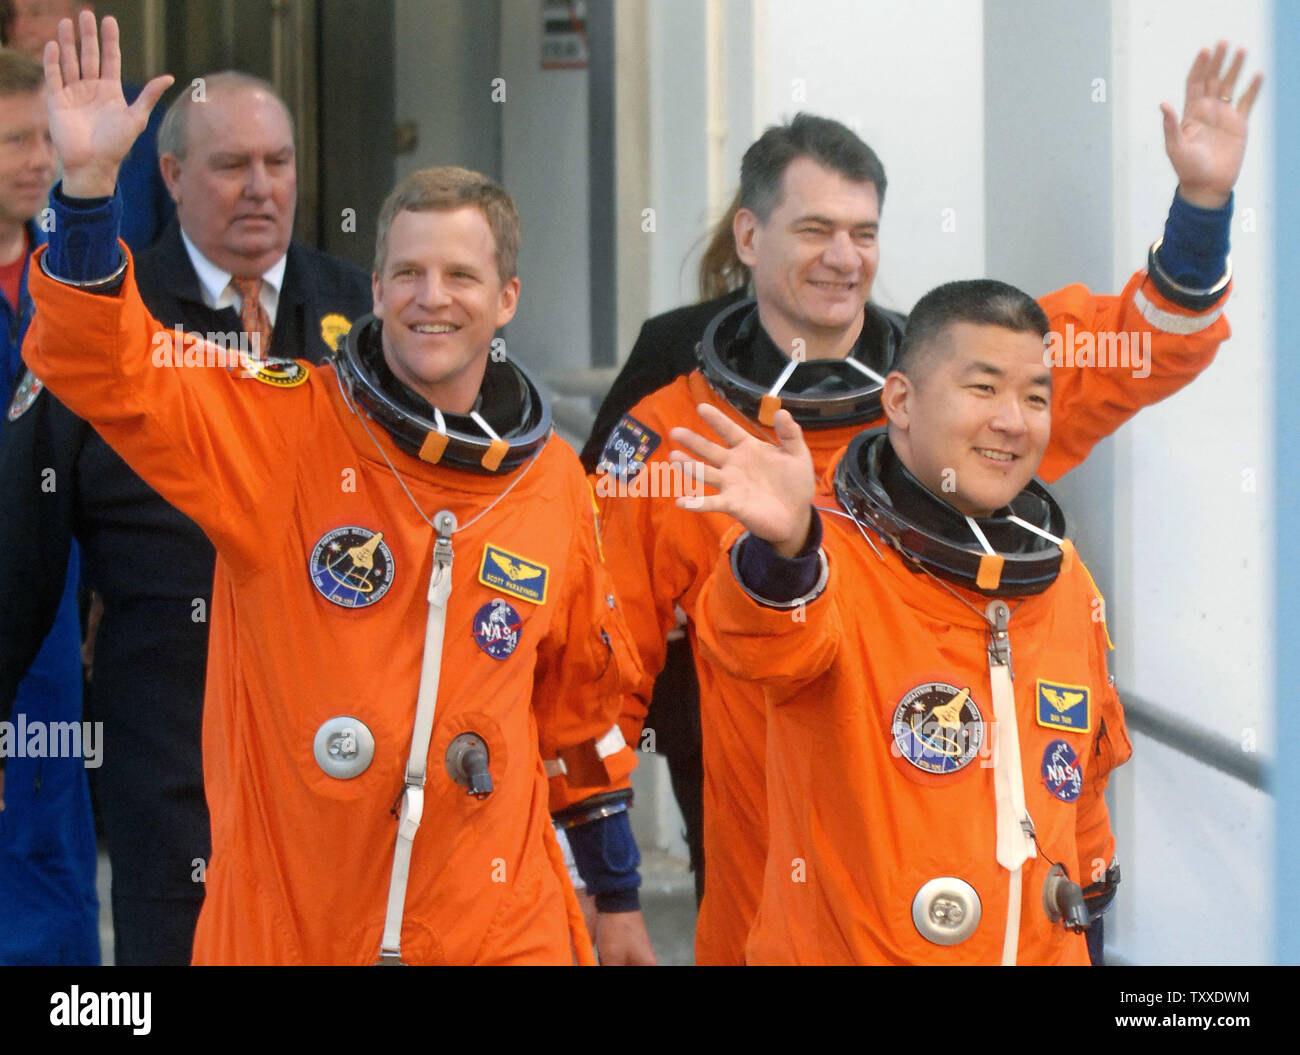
(946, 910)
(344, 747)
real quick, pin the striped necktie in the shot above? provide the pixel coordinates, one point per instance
(252, 315)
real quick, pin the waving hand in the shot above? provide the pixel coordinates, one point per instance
(90, 123)
(768, 489)
(1207, 146)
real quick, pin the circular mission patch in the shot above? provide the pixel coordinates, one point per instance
(351, 567)
(938, 728)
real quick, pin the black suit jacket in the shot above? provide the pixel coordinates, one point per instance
(315, 285)
(153, 567)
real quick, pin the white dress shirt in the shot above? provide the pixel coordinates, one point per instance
(215, 285)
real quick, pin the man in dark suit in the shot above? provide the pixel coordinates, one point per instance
(225, 269)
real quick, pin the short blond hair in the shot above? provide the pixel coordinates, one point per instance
(448, 187)
(20, 74)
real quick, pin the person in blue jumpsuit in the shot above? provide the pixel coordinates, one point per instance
(49, 907)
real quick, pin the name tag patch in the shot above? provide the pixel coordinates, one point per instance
(1062, 706)
(510, 573)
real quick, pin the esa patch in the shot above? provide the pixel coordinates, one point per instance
(513, 574)
(282, 373)
(938, 728)
(627, 448)
(497, 627)
(1062, 706)
(332, 329)
(25, 395)
(1061, 772)
(351, 567)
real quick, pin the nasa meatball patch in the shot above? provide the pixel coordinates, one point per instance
(497, 627)
(351, 567)
(1061, 773)
(938, 728)
(627, 448)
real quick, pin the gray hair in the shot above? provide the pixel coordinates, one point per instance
(172, 131)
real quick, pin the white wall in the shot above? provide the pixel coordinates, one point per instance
(446, 54)
(544, 167)
(679, 178)
(908, 77)
(1192, 539)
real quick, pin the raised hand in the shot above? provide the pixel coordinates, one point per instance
(90, 123)
(768, 489)
(1207, 146)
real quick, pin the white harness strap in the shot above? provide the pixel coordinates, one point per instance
(412, 809)
(1014, 844)
(1011, 939)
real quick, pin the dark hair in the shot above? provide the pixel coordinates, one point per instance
(829, 143)
(984, 301)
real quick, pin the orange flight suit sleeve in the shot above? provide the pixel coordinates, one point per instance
(586, 671)
(1111, 746)
(198, 434)
(657, 556)
(1091, 401)
(782, 649)
(649, 569)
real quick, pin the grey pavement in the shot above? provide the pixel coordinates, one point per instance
(667, 899)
